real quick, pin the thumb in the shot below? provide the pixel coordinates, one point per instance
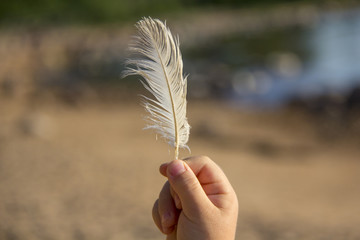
(184, 182)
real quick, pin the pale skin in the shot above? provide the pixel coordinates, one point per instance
(197, 202)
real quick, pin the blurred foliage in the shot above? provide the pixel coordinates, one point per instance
(80, 11)
(103, 11)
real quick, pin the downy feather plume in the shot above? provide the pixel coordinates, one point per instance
(157, 59)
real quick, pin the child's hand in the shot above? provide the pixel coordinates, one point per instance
(197, 202)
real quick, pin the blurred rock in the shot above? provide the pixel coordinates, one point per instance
(8, 87)
(335, 114)
(211, 80)
(353, 110)
(353, 100)
(38, 125)
(199, 87)
(251, 82)
(287, 65)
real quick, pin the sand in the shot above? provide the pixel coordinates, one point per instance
(91, 172)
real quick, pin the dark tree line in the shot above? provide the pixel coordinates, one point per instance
(97, 11)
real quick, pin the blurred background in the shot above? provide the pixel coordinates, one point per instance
(273, 98)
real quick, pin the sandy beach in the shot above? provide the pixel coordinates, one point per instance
(91, 172)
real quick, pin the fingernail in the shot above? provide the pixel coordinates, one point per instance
(176, 168)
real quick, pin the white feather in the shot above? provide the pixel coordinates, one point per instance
(157, 59)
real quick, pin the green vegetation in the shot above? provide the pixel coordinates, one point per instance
(103, 11)
(79, 11)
